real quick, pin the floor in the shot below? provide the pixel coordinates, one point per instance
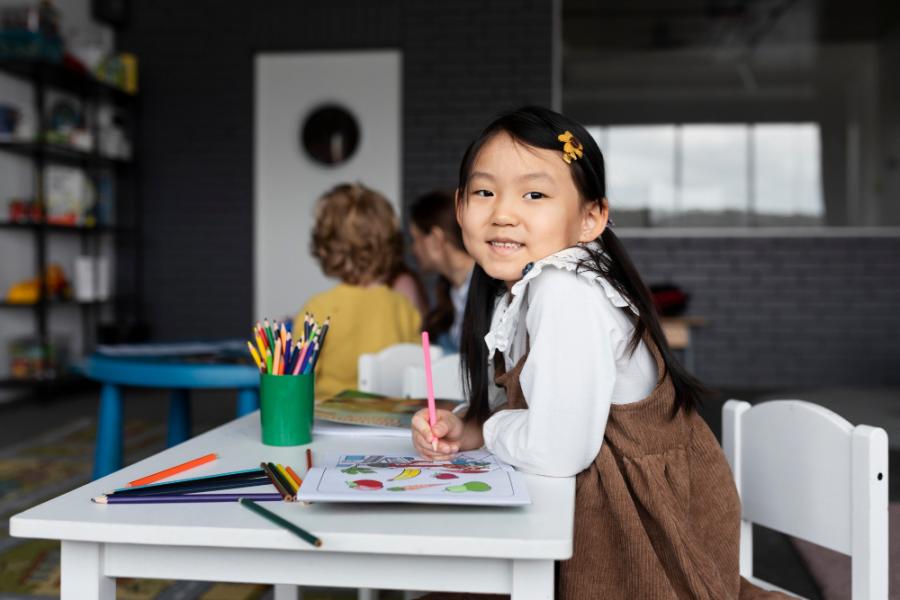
(774, 557)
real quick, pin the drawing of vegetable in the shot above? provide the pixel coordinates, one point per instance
(366, 484)
(409, 488)
(445, 476)
(407, 474)
(469, 486)
(356, 470)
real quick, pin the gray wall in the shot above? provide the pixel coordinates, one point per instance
(197, 93)
(803, 311)
(781, 311)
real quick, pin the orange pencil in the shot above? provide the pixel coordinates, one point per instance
(173, 470)
(276, 358)
(308, 459)
(297, 479)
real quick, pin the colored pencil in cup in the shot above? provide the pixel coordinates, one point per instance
(256, 358)
(184, 498)
(276, 358)
(429, 384)
(174, 470)
(277, 520)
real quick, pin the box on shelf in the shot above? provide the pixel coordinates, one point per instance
(29, 360)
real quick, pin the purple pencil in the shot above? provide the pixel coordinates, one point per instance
(185, 498)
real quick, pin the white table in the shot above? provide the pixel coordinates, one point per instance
(381, 546)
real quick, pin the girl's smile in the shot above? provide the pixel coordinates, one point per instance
(521, 205)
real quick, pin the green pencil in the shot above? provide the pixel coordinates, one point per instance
(272, 517)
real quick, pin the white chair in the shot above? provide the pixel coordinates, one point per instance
(445, 375)
(805, 471)
(382, 373)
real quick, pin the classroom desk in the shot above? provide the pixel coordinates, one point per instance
(411, 547)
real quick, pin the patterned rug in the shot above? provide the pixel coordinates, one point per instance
(59, 461)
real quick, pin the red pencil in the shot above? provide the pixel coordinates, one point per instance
(173, 470)
(308, 459)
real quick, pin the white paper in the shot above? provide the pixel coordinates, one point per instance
(473, 478)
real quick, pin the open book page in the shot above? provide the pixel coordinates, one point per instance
(474, 477)
(363, 408)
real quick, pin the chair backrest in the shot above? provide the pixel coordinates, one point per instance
(805, 471)
(382, 373)
(445, 375)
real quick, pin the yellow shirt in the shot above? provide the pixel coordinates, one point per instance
(363, 320)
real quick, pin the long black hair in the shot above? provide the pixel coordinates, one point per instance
(436, 209)
(539, 127)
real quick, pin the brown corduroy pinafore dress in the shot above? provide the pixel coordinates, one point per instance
(657, 515)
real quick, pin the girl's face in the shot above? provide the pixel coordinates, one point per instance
(521, 206)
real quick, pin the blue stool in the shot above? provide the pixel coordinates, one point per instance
(158, 372)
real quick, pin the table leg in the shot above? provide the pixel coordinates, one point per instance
(108, 451)
(287, 592)
(81, 576)
(248, 401)
(179, 417)
(533, 580)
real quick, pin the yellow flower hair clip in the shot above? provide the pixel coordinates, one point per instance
(572, 148)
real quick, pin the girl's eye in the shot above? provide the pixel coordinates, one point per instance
(534, 195)
(483, 193)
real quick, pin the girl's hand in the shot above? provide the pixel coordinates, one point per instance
(448, 429)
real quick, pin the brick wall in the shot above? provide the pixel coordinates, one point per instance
(463, 62)
(806, 310)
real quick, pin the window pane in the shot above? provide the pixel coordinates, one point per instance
(714, 175)
(788, 178)
(640, 172)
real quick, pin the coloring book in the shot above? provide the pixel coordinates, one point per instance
(364, 408)
(475, 477)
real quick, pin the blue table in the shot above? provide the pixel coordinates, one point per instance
(170, 372)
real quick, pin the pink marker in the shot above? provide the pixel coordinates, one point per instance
(432, 415)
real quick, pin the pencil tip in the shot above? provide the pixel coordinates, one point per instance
(99, 499)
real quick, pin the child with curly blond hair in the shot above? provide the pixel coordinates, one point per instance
(356, 238)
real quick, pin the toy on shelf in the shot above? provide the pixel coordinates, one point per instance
(28, 360)
(29, 291)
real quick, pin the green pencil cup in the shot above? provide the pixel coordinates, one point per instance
(286, 405)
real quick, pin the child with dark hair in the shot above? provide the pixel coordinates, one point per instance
(586, 385)
(438, 248)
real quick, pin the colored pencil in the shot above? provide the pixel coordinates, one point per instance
(256, 358)
(189, 487)
(260, 345)
(308, 459)
(297, 479)
(174, 470)
(309, 360)
(273, 518)
(276, 358)
(269, 334)
(230, 475)
(184, 498)
(282, 479)
(268, 361)
(292, 485)
(283, 334)
(285, 493)
(429, 384)
(302, 360)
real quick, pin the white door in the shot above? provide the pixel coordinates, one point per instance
(288, 181)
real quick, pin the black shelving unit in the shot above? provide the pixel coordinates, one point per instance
(124, 233)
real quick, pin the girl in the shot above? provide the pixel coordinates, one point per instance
(438, 247)
(568, 373)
